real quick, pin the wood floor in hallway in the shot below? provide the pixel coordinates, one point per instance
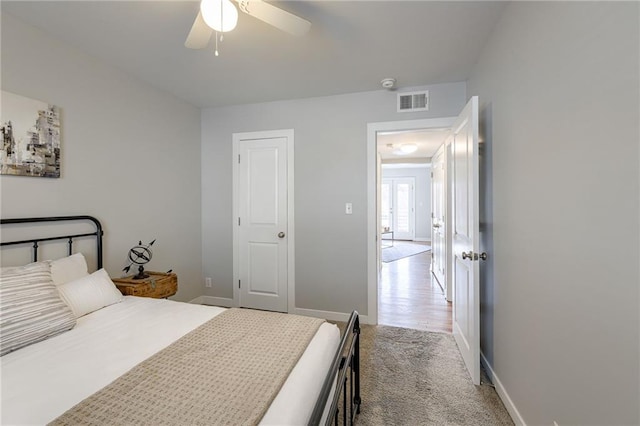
(408, 297)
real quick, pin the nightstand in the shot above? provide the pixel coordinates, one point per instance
(158, 285)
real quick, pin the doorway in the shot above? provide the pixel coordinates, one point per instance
(407, 295)
(398, 213)
(463, 253)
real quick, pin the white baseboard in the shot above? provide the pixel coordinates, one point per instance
(333, 316)
(502, 392)
(423, 240)
(196, 301)
(215, 301)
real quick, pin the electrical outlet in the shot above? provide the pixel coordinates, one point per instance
(348, 208)
(207, 282)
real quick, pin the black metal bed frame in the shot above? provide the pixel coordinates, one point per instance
(35, 241)
(343, 378)
(346, 366)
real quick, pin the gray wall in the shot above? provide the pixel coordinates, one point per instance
(422, 177)
(558, 85)
(130, 154)
(330, 169)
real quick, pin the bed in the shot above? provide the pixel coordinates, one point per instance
(151, 361)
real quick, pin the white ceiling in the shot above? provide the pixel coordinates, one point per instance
(427, 141)
(352, 45)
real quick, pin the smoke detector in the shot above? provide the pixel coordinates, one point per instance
(388, 83)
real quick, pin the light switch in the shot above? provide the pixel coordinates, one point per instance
(348, 208)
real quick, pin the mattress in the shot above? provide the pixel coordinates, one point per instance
(42, 381)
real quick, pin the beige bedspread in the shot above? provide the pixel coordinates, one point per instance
(225, 372)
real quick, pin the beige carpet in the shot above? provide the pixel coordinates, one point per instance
(412, 377)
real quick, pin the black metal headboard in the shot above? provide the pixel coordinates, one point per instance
(34, 241)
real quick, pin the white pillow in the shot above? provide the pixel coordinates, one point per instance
(68, 269)
(90, 293)
(30, 308)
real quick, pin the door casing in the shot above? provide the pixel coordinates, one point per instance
(269, 134)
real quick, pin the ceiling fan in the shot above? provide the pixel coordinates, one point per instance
(221, 16)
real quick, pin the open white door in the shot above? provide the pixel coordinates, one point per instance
(465, 256)
(379, 211)
(438, 220)
(262, 221)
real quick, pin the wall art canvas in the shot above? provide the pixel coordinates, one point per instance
(30, 137)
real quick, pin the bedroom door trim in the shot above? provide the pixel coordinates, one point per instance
(288, 134)
(373, 253)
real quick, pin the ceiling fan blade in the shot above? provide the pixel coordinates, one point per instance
(281, 19)
(199, 35)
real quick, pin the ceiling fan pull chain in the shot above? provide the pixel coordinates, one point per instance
(221, 26)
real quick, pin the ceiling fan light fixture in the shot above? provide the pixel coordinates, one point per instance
(221, 15)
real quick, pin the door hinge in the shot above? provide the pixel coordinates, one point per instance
(238, 221)
(239, 284)
(238, 158)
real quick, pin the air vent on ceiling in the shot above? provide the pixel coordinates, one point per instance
(413, 101)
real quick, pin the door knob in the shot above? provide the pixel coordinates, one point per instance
(280, 234)
(435, 225)
(483, 256)
(467, 255)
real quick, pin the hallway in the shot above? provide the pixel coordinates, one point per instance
(408, 298)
